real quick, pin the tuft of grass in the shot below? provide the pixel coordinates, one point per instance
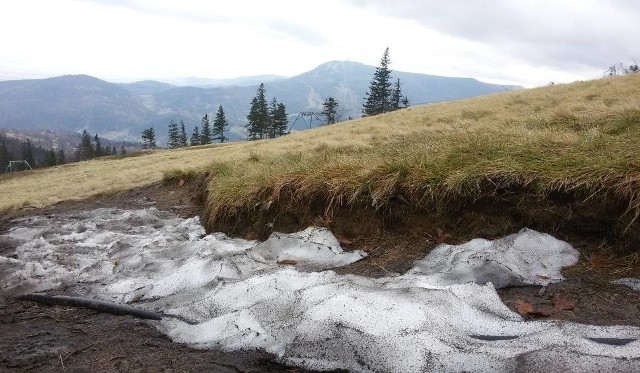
(581, 138)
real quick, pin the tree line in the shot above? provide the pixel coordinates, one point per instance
(268, 119)
(38, 156)
(12, 149)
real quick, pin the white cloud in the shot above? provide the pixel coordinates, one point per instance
(528, 42)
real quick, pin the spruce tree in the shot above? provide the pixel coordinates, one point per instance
(123, 150)
(398, 101)
(50, 159)
(61, 157)
(149, 138)
(183, 135)
(258, 118)
(378, 98)
(4, 155)
(27, 153)
(280, 121)
(220, 125)
(205, 131)
(195, 137)
(330, 110)
(271, 127)
(174, 135)
(99, 151)
(85, 149)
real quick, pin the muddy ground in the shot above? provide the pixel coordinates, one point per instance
(42, 338)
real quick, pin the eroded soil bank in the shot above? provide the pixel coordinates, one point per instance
(43, 338)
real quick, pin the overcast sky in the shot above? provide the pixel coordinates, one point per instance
(528, 42)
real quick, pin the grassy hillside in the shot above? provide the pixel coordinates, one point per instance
(580, 138)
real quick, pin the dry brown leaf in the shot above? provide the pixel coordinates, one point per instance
(181, 182)
(368, 248)
(542, 311)
(523, 307)
(562, 303)
(344, 241)
(598, 260)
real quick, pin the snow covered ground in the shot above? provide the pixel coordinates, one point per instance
(281, 296)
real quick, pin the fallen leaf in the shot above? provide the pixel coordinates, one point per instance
(368, 248)
(181, 182)
(288, 262)
(523, 307)
(251, 237)
(598, 260)
(344, 241)
(562, 303)
(542, 311)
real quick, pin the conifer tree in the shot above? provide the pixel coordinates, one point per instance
(330, 110)
(183, 135)
(123, 150)
(205, 131)
(195, 137)
(149, 138)
(381, 97)
(85, 149)
(50, 159)
(258, 118)
(99, 151)
(398, 101)
(61, 157)
(220, 125)
(27, 153)
(174, 135)
(4, 155)
(280, 121)
(271, 127)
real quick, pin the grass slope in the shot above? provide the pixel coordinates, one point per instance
(582, 138)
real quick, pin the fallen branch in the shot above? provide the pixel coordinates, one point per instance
(97, 305)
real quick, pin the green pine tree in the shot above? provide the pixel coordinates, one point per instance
(378, 98)
(174, 135)
(99, 151)
(149, 138)
(330, 110)
(4, 155)
(205, 131)
(61, 157)
(85, 149)
(123, 150)
(27, 153)
(220, 125)
(280, 120)
(195, 137)
(183, 135)
(50, 159)
(258, 118)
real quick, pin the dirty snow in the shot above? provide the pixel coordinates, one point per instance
(525, 258)
(443, 315)
(633, 283)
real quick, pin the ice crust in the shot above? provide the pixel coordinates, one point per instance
(233, 294)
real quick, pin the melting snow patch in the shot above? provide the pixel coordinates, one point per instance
(443, 315)
(524, 258)
(633, 283)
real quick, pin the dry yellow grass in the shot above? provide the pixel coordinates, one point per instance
(582, 137)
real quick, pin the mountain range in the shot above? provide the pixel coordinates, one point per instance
(120, 111)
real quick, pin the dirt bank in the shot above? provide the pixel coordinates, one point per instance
(43, 338)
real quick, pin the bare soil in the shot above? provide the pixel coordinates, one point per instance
(42, 338)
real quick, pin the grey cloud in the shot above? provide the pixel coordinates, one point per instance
(589, 33)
